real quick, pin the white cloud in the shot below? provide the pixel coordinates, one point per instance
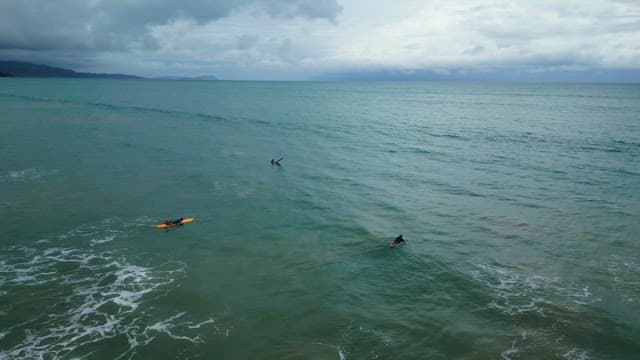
(443, 33)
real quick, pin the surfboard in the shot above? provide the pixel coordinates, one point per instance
(394, 244)
(184, 221)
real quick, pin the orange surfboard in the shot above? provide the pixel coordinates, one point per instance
(184, 221)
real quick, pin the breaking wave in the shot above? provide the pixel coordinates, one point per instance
(59, 302)
(515, 293)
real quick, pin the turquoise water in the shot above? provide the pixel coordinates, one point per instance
(520, 204)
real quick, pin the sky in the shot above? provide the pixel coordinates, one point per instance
(547, 40)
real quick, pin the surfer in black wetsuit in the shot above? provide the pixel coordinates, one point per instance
(276, 162)
(397, 241)
(173, 222)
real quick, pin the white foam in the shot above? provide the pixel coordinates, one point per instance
(576, 354)
(584, 296)
(105, 231)
(341, 353)
(165, 326)
(197, 326)
(510, 351)
(50, 251)
(22, 175)
(103, 240)
(101, 297)
(218, 186)
(19, 174)
(625, 274)
(517, 293)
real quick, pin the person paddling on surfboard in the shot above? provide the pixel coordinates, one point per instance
(174, 222)
(397, 241)
(169, 224)
(276, 162)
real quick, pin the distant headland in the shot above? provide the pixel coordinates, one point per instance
(26, 69)
(203, 77)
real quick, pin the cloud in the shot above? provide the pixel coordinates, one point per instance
(247, 41)
(120, 25)
(298, 39)
(450, 34)
(311, 9)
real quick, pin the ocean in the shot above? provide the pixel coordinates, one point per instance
(520, 204)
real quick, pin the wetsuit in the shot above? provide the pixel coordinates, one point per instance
(398, 240)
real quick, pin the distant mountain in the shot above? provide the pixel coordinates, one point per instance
(25, 69)
(203, 77)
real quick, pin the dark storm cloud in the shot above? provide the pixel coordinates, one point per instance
(123, 25)
(41, 25)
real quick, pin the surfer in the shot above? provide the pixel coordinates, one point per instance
(276, 162)
(169, 224)
(397, 241)
(174, 222)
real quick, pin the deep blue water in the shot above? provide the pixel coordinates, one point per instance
(520, 204)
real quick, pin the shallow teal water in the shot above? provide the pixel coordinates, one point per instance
(520, 204)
